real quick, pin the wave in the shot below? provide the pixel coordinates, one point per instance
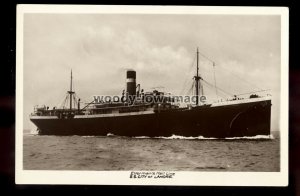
(33, 132)
(107, 135)
(208, 138)
(30, 134)
(110, 134)
(252, 137)
(185, 137)
(142, 137)
(257, 137)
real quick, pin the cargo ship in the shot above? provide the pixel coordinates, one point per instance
(136, 116)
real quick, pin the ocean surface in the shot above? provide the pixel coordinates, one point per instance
(261, 153)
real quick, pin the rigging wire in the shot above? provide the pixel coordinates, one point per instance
(218, 91)
(64, 103)
(186, 79)
(61, 100)
(214, 71)
(211, 89)
(206, 57)
(245, 81)
(254, 92)
(74, 102)
(191, 88)
(190, 84)
(218, 88)
(66, 99)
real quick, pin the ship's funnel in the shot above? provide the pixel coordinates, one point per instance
(130, 82)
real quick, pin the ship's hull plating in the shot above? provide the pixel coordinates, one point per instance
(236, 120)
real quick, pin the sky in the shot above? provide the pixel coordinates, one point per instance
(99, 48)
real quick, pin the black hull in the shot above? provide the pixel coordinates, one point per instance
(236, 120)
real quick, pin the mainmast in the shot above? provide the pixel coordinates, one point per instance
(197, 79)
(71, 92)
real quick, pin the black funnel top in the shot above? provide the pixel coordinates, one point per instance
(131, 74)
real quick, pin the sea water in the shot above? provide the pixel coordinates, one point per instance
(175, 153)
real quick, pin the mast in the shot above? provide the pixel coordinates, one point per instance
(71, 92)
(197, 79)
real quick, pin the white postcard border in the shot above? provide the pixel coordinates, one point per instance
(180, 178)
